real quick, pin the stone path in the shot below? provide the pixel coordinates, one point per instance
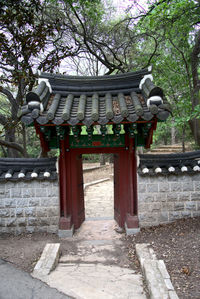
(99, 201)
(98, 269)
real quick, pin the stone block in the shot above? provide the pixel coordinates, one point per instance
(172, 196)
(178, 206)
(184, 178)
(2, 204)
(29, 192)
(10, 202)
(174, 216)
(32, 221)
(22, 202)
(19, 212)
(173, 295)
(16, 192)
(33, 202)
(143, 207)
(43, 221)
(143, 179)
(151, 188)
(197, 186)
(30, 211)
(154, 207)
(20, 230)
(21, 221)
(53, 229)
(176, 187)
(186, 214)
(196, 177)
(41, 192)
(55, 201)
(4, 213)
(146, 197)
(11, 221)
(160, 197)
(147, 217)
(196, 214)
(48, 260)
(163, 270)
(42, 228)
(54, 211)
(190, 205)
(163, 187)
(195, 196)
(184, 196)
(4, 230)
(188, 186)
(198, 206)
(4, 193)
(31, 229)
(172, 178)
(45, 184)
(54, 220)
(42, 212)
(12, 212)
(163, 217)
(142, 188)
(45, 201)
(52, 192)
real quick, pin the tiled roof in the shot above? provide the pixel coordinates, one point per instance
(169, 163)
(15, 169)
(26, 169)
(87, 100)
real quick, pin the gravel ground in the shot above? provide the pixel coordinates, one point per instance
(178, 244)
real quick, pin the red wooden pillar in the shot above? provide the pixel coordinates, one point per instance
(78, 208)
(121, 186)
(65, 186)
(132, 209)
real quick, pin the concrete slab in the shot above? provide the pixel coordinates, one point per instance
(48, 260)
(155, 273)
(131, 231)
(66, 233)
(89, 281)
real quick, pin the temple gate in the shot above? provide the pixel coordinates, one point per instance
(105, 114)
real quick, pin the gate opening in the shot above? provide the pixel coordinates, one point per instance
(98, 178)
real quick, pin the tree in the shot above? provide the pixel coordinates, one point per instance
(176, 27)
(30, 39)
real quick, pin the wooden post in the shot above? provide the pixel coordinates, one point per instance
(132, 211)
(65, 222)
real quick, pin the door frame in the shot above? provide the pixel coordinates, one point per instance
(127, 189)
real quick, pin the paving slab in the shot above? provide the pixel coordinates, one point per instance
(99, 200)
(97, 270)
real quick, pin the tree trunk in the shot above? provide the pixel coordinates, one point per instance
(183, 139)
(173, 133)
(195, 128)
(102, 159)
(10, 137)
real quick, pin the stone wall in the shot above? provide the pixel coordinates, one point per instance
(31, 206)
(165, 198)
